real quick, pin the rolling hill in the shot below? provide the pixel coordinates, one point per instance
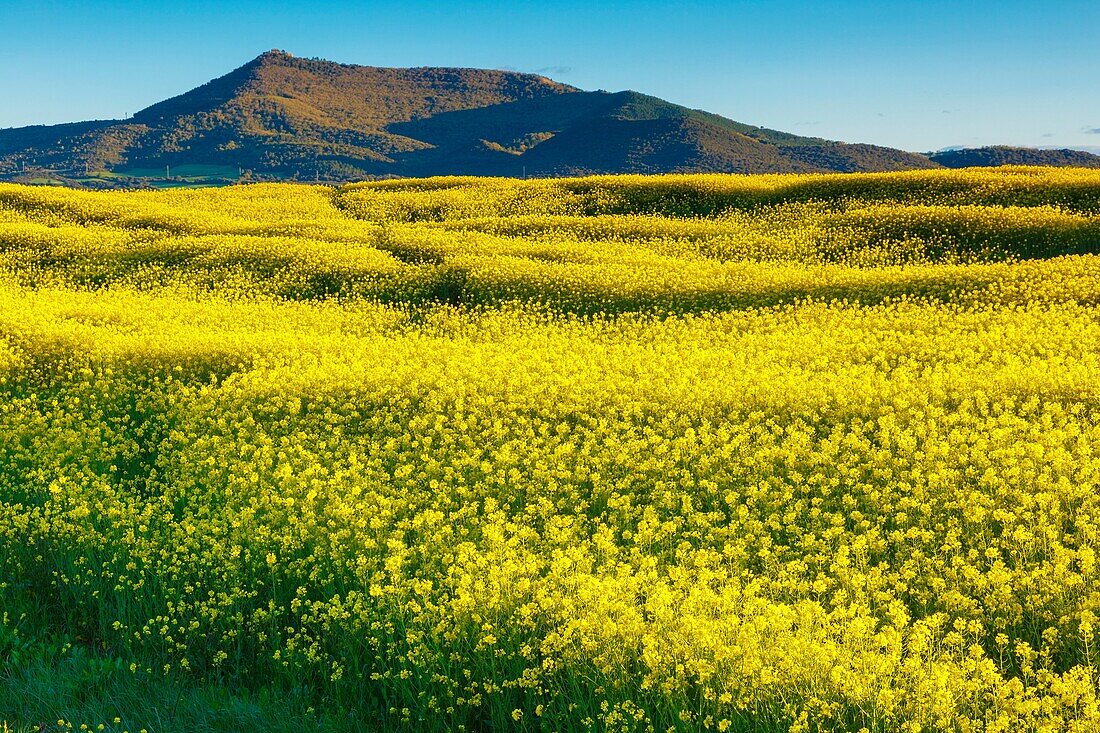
(283, 117)
(998, 155)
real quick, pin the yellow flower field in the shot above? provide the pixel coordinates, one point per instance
(702, 452)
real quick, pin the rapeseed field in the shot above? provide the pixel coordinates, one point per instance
(677, 453)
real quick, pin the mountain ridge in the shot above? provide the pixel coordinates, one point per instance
(279, 116)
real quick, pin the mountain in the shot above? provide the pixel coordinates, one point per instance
(284, 117)
(997, 155)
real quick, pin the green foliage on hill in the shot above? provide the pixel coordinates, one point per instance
(998, 155)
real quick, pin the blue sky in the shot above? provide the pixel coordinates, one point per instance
(915, 75)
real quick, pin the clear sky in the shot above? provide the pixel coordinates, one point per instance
(916, 75)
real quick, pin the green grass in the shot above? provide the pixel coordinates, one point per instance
(187, 183)
(101, 175)
(189, 170)
(84, 689)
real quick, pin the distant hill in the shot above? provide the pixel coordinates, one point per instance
(998, 155)
(284, 117)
